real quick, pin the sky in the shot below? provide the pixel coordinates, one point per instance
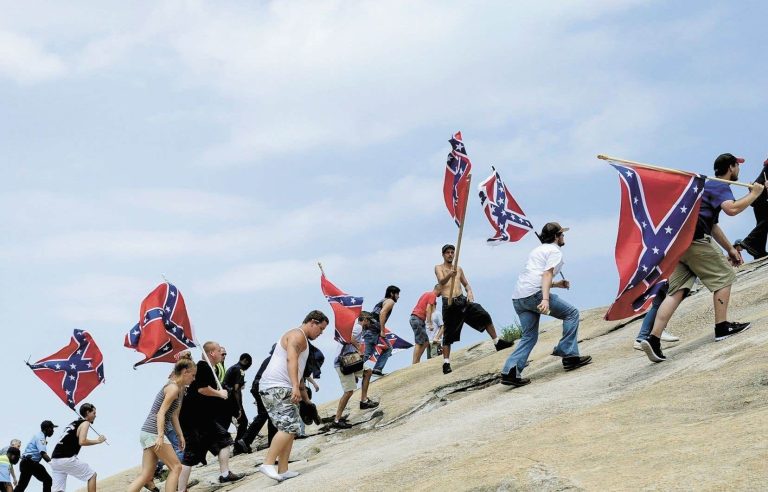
(230, 146)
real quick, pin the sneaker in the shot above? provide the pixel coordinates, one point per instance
(271, 472)
(231, 477)
(729, 329)
(447, 368)
(637, 345)
(289, 474)
(340, 424)
(668, 337)
(377, 372)
(368, 404)
(510, 380)
(571, 363)
(652, 348)
(502, 344)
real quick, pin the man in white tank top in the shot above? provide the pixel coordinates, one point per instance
(282, 388)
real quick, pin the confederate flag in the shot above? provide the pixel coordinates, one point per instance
(658, 217)
(506, 217)
(346, 309)
(74, 371)
(456, 184)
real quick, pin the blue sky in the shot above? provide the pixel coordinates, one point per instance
(232, 145)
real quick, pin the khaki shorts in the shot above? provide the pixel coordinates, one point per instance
(705, 260)
(348, 381)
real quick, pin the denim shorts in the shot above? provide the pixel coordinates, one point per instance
(147, 439)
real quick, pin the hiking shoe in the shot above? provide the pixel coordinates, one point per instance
(341, 424)
(652, 348)
(368, 404)
(571, 363)
(271, 472)
(502, 344)
(636, 345)
(511, 380)
(447, 368)
(377, 372)
(668, 337)
(231, 477)
(289, 474)
(729, 329)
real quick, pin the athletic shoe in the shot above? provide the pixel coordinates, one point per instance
(271, 472)
(341, 424)
(571, 363)
(637, 345)
(377, 372)
(447, 368)
(730, 329)
(289, 474)
(510, 380)
(231, 477)
(502, 344)
(668, 337)
(652, 348)
(368, 404)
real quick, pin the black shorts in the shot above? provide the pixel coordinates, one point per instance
(460, 312)
(211, 437)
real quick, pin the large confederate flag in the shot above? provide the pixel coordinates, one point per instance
(658, 217)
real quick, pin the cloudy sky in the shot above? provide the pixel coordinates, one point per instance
(233, 145)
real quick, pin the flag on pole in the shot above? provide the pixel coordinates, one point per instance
(504, 214)
(74, 371)
(456, 184)
(658, 217)
(346, 309)
(395, 341)
(164, 329)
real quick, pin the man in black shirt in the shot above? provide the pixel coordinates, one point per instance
(234, 380)
(65, 460)
(754, 243)
(243, 445)
(204, 400)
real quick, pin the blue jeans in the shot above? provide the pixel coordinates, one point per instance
(371, 339)
(529, 319)
(650, 316)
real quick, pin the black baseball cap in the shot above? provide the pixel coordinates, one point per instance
(47, 424)
(724, 161)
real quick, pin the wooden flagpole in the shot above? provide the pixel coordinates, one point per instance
(670, 170)
(458, 241)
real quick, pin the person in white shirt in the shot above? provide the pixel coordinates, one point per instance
(532, 298)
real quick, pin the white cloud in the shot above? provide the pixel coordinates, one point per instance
(26, 61)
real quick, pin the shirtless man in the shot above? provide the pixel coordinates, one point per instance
(463, 309)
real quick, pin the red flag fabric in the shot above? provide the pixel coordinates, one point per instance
(658, 217)
(395, 342)
(346, 309)
(502, 211)
(74, 371)
(164, 329)
(456, 183)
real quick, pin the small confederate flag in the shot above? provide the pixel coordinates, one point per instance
(456, 184)
(346, 309)
(656, 225)
(164, 329)
(74, 371)
(503, 212)
(395, 341)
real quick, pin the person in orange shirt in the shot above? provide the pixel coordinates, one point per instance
(420, 316)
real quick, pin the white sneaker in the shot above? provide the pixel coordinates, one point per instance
(668, 337)
(637, 345)
(271, 472)
(289, 474)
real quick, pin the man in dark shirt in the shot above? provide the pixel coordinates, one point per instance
(705, 260)
(243, 445)
(202, 403)
(754, 243)
(234, 380)
(65, 460)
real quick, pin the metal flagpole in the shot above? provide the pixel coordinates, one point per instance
(458, 242)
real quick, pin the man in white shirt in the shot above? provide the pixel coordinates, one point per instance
(532, 298)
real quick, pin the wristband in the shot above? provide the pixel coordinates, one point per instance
(545, 300)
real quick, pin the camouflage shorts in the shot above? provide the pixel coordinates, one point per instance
(282, 413)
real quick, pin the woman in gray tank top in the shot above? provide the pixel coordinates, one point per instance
(165, 408)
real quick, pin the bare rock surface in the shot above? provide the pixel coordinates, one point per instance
(698, 421)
